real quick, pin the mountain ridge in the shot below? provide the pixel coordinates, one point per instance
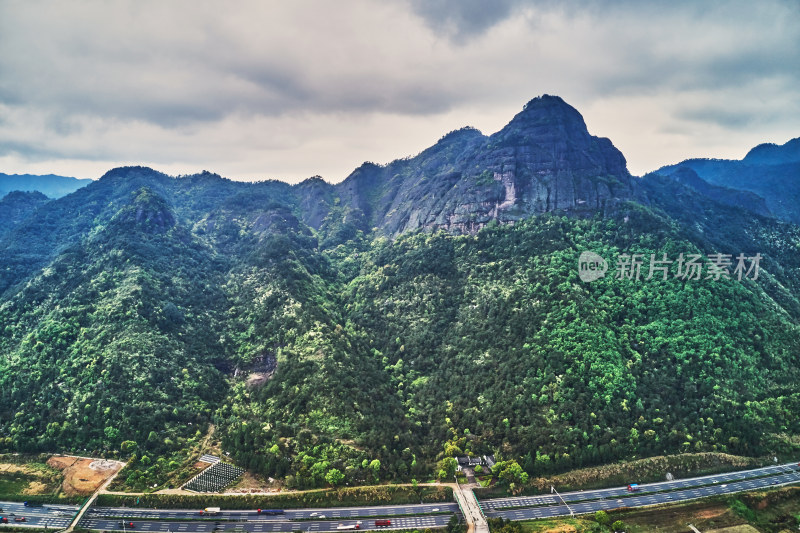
(50, 185)
(768, 170)
(383, 325)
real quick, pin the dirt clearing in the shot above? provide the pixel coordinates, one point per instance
(83, 476)
(735, 529)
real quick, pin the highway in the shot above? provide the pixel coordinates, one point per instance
(415, 516)
(49, 516)
(645, 499)
(332, 513)
(257, 526)
(496, 504)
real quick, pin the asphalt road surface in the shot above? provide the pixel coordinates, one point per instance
(50, 516)
(641, 500)
(332, 513)
(257, 526)
(496, 504)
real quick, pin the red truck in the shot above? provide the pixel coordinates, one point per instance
(3, 520)
(383, 523)
(633, 487)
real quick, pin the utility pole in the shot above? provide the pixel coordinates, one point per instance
(552, 490)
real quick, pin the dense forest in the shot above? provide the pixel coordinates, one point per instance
(140, 310)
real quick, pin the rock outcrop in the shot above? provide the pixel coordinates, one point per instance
(543, 160)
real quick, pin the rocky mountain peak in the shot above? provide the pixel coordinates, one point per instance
(147, 212)
(543, 160)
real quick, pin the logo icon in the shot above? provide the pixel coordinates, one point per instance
(591, 266)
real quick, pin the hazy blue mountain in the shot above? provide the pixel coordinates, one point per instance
(50, 185)
(724, 195)
(768, 170)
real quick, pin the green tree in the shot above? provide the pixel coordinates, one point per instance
(375, 466)
(334, 477)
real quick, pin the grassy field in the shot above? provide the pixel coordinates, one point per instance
(28, 478)
(14, 484)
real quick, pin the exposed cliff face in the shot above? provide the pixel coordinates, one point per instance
(543, 160)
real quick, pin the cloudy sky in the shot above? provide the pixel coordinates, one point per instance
(288, 90)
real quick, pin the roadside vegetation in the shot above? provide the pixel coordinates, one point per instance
(342, 497)
(647, 470)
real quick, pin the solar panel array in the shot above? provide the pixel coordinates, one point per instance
(214, 478)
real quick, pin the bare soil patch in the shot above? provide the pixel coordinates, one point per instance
(83, 476)
(60, 462)
(707, 514)
(252, 484)
(735, 529)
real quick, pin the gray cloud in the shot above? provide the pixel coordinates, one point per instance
(296, 89)
(462, 19)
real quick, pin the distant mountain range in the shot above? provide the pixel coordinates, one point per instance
(418, 310)
(770, 171)
(50, 185)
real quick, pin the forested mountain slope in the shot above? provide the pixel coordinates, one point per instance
(16, 206)
(418, 310)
